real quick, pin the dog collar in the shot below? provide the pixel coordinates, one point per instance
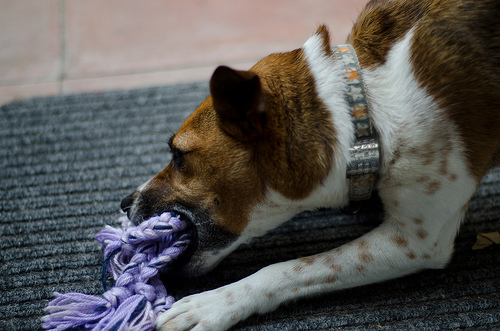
(364, 152)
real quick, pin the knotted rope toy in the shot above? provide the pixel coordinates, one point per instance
(133, 257)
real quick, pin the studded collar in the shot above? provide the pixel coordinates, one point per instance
(364, 152)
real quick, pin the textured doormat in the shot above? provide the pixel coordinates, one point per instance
(66, 163)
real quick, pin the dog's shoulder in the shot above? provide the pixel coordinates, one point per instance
(454, 53)
(382, 23)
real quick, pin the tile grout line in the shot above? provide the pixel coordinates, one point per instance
(195, 66)
(62, 46)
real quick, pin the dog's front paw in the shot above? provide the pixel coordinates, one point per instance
(212, 310)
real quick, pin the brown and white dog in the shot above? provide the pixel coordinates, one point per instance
(274, 141)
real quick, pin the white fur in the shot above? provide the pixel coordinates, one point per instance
(333, 192)
(402, 111)
(424, 200)
(330, 88)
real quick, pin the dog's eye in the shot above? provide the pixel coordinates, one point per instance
(177, 154)
(177, 157)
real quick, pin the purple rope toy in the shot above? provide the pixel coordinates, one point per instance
(134, 257)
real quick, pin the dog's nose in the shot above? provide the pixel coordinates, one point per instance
(127, 202)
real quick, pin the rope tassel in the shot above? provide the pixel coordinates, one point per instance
(134, 258)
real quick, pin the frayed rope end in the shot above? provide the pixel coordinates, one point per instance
(129, 255)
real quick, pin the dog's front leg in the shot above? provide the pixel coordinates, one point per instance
(390, 251)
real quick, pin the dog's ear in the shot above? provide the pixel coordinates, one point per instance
(237, 98)
(323, 32)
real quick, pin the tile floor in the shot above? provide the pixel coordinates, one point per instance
(54, 47)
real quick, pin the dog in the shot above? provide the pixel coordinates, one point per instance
(409, 107)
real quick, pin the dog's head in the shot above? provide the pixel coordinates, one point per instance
(246, 160)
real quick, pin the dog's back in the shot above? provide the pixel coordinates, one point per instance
(455, 54)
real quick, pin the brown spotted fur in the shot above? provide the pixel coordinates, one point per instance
(456, 50)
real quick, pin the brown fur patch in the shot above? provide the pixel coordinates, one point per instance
(298, 268)
(443, 169)
(433, 187)
(294, 162)
(456, 56)
(307, 260)
(206, 181)
(366, 257)
(423, 179)
(325, 37)
(331, 279)
(336, 267)
(380, 25)
(230, 298)
(411, 255)
(458, 61)
(427, 152)
(328, 259)
(363, 244)
(418, 221)
(422, 234)
(330, 262)
(399, 240)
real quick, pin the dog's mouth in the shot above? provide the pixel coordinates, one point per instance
(209, 242)
(186, 216)
(208, 238)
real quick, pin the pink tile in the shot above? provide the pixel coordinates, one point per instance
(29, 40)
(16, 92)
(128, 36)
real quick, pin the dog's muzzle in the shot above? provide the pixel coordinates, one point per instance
(126, 204)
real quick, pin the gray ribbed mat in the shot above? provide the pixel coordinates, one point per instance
(66, 162)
